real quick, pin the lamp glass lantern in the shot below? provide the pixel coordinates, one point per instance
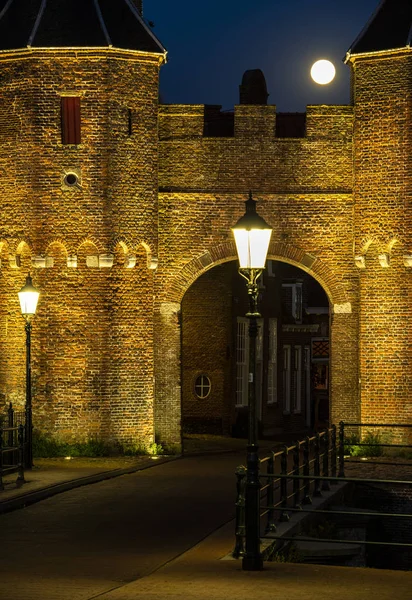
(252, 237)
(28, 297)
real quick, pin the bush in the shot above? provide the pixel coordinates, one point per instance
(45, 446)
(353, 448)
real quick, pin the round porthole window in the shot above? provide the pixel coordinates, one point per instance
(203, 386)
(71, 179)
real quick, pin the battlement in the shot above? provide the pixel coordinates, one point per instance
(188, 121)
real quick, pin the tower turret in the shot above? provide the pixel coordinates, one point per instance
(78, 156)
(381, 63)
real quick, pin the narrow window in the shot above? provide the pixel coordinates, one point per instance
(272, 362)
(286, 379)
(297, 380)
(70, 120)
(306, 367)
(297, 302)
(129, 121)
(293, 300)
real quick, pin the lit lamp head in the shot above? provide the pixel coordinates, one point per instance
(28, 296)
(252, 237)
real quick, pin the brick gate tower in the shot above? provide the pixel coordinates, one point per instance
(381, 64)
(119, 208)
(78, 161)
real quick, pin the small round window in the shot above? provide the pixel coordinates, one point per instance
(202, 386)
(71, 179)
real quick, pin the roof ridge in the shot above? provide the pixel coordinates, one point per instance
(37, 23)
(366, 26)
(409, 41)
(102, 23)
(6, 7)
(137, 14)
(388, 29)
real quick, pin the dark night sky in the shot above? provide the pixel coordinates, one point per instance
(211, 43)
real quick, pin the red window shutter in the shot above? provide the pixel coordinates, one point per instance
(70, 113)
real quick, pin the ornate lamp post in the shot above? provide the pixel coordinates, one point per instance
(28, 297)
(252, 236)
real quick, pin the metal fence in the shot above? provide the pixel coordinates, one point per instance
(12, 445)
(291, 478)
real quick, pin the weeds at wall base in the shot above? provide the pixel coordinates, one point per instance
(47, 447)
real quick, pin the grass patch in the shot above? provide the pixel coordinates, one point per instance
(352, 447)
(45, 446)
(288, 554)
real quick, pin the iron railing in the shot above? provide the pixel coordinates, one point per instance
(13, 444)
(286, 491)
(292, 477)
(12, 453)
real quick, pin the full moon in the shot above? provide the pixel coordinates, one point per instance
(322, 72)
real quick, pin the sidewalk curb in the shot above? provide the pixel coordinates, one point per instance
(24, 500)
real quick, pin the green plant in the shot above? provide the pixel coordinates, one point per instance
(172, 449)
(353, 448)
(45, 446)
(324, 529)
(156, 449)
(288, 553)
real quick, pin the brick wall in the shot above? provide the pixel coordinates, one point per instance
(207, 349)
(304, 192)
(100, 332)
(383, 91)
(92, 339)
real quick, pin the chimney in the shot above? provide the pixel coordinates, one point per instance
(253, 89)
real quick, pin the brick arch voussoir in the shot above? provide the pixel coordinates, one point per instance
(91, 240)
(20, 245)
(122, 242)
(58, 242)
(226, 252)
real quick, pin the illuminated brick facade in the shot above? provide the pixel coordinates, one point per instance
(160, 187)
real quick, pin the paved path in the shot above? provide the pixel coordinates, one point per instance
(158, 534)
(97, 537)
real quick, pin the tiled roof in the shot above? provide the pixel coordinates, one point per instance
(389, 28)
(74, 23)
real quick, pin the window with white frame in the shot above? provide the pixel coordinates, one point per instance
(272, 362)
(297, 379)
(271, 268)
(286, 378)
(295, 299)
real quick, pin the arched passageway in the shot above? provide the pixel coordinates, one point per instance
(293, 371)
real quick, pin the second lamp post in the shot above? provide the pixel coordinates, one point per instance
(28, 297)
(252, 237)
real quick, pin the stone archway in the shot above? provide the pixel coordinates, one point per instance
(344, 335)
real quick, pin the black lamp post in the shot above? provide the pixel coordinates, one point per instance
(252, 236)
(28, 297)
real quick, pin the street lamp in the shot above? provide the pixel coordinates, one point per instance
(28, 297)
(252, 236)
